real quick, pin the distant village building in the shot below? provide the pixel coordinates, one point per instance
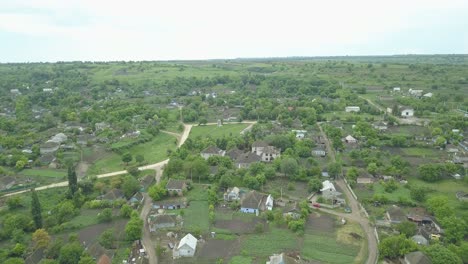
(159, 221)
(380, 126)
(186, 247)
(244, 160)
(415, 93)
(350, 139)
(59, 138)
(416, 257)
(428, 95)
(101, 126)
(15, 91)
(349, 109)
(176, 186)
(49, 147)
(212, 151)
(254, 202)
(267, 152)
(319, 152)
(407, 112)
(47, 90)
(396, 89)
(232, 194)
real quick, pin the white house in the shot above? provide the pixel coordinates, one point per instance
(352, 109)
(327, 186)
(350, 139)
(232, 194)
(267, 152)
(416, 93)
(187, 246)
(396, 89)
(407, 112)
(269, 203)
(428, 95)
(212, 151)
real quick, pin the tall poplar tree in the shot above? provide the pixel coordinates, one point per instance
(72, 180)
(36, 209)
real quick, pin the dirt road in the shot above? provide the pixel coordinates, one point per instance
(357, 214)
(146, 239)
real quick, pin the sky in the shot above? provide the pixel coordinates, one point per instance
(102, 30)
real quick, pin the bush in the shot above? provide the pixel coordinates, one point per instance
(105, 215)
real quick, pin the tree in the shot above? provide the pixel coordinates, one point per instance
(14, 202)
(455, 229)
(407, 228)
(139, 158)
(441, 255)
(36, 210)
(372, 168)
(40, 238)
(396, 246)
(70, 253)
(418, 193)
(126, 211)
(157, 191)
(314, 185)
(86, 259)
(127, 157)
(130, 185)
(334, 169)
(106, 239)
(289, 166)
(352, 174)
(440, 142)
(72, 180)
(133, 229)
(105, 215)
(14, 261)
(430, 172)
(438, 205)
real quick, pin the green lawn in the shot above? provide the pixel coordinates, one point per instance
(86, 218)
(240, 260)
(327, 249)
(44, 173)
(379, 189)
(275, 241)
(196, 217)
(153, 151)
(217, 132)
(422, 152)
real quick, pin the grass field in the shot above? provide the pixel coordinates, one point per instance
(217, 132)
(196, 216)
(327, 249)
(422, 152)
(153, 151)
(240, 260)
(44, 173)
(276, 240)
(394, 196)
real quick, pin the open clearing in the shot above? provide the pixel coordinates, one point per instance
(217, 132)
(44, 173)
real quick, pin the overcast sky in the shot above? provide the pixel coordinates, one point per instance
(101, 30)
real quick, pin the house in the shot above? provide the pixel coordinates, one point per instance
(169, 204)
(327, 186)
(46, 159)
(319, 152)
(104, 259)
(415, 93)
(47, 90)
(136, 199)
(380, 126)
(49, 147)
(254, 202)
(395, 215)
(281, 259)
(407, 112)
(396, 89)
(325, 174)
(212, 151)
(232, 194)
(244, 160)
(131, 134)
(187, 246)
(15, 91)
(59, 138)
(113, 195)
(461, 196)
(177, 186)
(159, 221)
(300, 134)
(457, 176)
(350, 139)
(6, 182)
(416, 257)
(365, 179)
(428, 95)
(267, 152)
(420, 240)
(234, 153)
(349, 109)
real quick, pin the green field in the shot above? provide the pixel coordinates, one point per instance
(44, 173)
(276, 240)
(196, 216)
(217, 132)
(240, 260)
(327, 249)
(422, 152)
(378, 189)
(153, 151)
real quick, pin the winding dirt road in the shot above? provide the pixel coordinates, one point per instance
(356, 214)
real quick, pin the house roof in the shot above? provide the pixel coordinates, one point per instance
(350, 138)
(50, 144)
(420, 240)
(252, 200)
(211, 150)
(234, 153)
(259, 144)
(104, 259)
(396, 213)
(327, 185)
(417, 257)
(189, 240)
(248, 158)
(113, 194)
(234, 190)
(270, 150)
(175, 184)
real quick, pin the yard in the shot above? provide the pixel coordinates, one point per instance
(368, 191)
(217, 132)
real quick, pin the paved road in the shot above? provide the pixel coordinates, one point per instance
(357, 214)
